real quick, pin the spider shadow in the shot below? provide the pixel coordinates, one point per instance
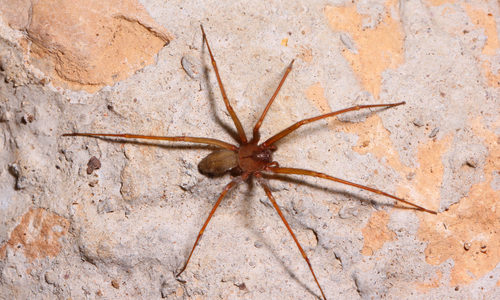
(211, 99)
(285, 178)
(339, 191)
(210, 95)
(260, 237)
(313, 128)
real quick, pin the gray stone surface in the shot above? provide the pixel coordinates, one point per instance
(127, 227)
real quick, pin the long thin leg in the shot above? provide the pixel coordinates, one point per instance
(290, 129)
(304, 255)
(224, 192)
(324, 176)
(236, 121)
(199, 140)
(256, 135)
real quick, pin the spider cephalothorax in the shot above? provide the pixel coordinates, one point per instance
(253, 159)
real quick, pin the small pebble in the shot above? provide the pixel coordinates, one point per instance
(434, 132)
(5, 115)
(191, 66)
(257, 244)
(21, 180)
(418, 122)
(467, 246)
(242, 286)
(483, 249)
(115, 284)
(179, 292)
(93, 164)
(27, 119)
(50, 277)
(14, 169)
(347, 41)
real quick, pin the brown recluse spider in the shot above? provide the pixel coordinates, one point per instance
(253, 159)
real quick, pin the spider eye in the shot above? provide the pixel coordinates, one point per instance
(264, 156)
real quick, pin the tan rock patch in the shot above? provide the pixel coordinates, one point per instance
(474, 220)
(316, 94)
(90, 44)
(37, 234)
(376, 233)
(378, 48)
(487, 22)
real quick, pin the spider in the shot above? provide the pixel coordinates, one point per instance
(253, 159)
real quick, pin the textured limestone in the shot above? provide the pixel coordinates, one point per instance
(123, 230)
(86, 44)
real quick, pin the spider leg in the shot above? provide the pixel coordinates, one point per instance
(324, 176)
(290, 129)
(278, 210)
(199, 140)
(224, 192)
(256, 135)
(236, 121)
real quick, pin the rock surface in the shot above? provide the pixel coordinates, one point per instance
(125, 228)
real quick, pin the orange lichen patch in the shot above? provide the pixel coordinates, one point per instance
(425, 187)
(375, 139)
(434, 283)
(37, 235)
(284, 42)
(486, 21)
(376, 233)
(89, 44)
(429, 175)
(316, 94)
(492, 79)
(474, 220)
(378, 48)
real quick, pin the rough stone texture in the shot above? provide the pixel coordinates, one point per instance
(86, 44)
(125, 229)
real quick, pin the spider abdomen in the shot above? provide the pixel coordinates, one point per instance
(218, 163)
